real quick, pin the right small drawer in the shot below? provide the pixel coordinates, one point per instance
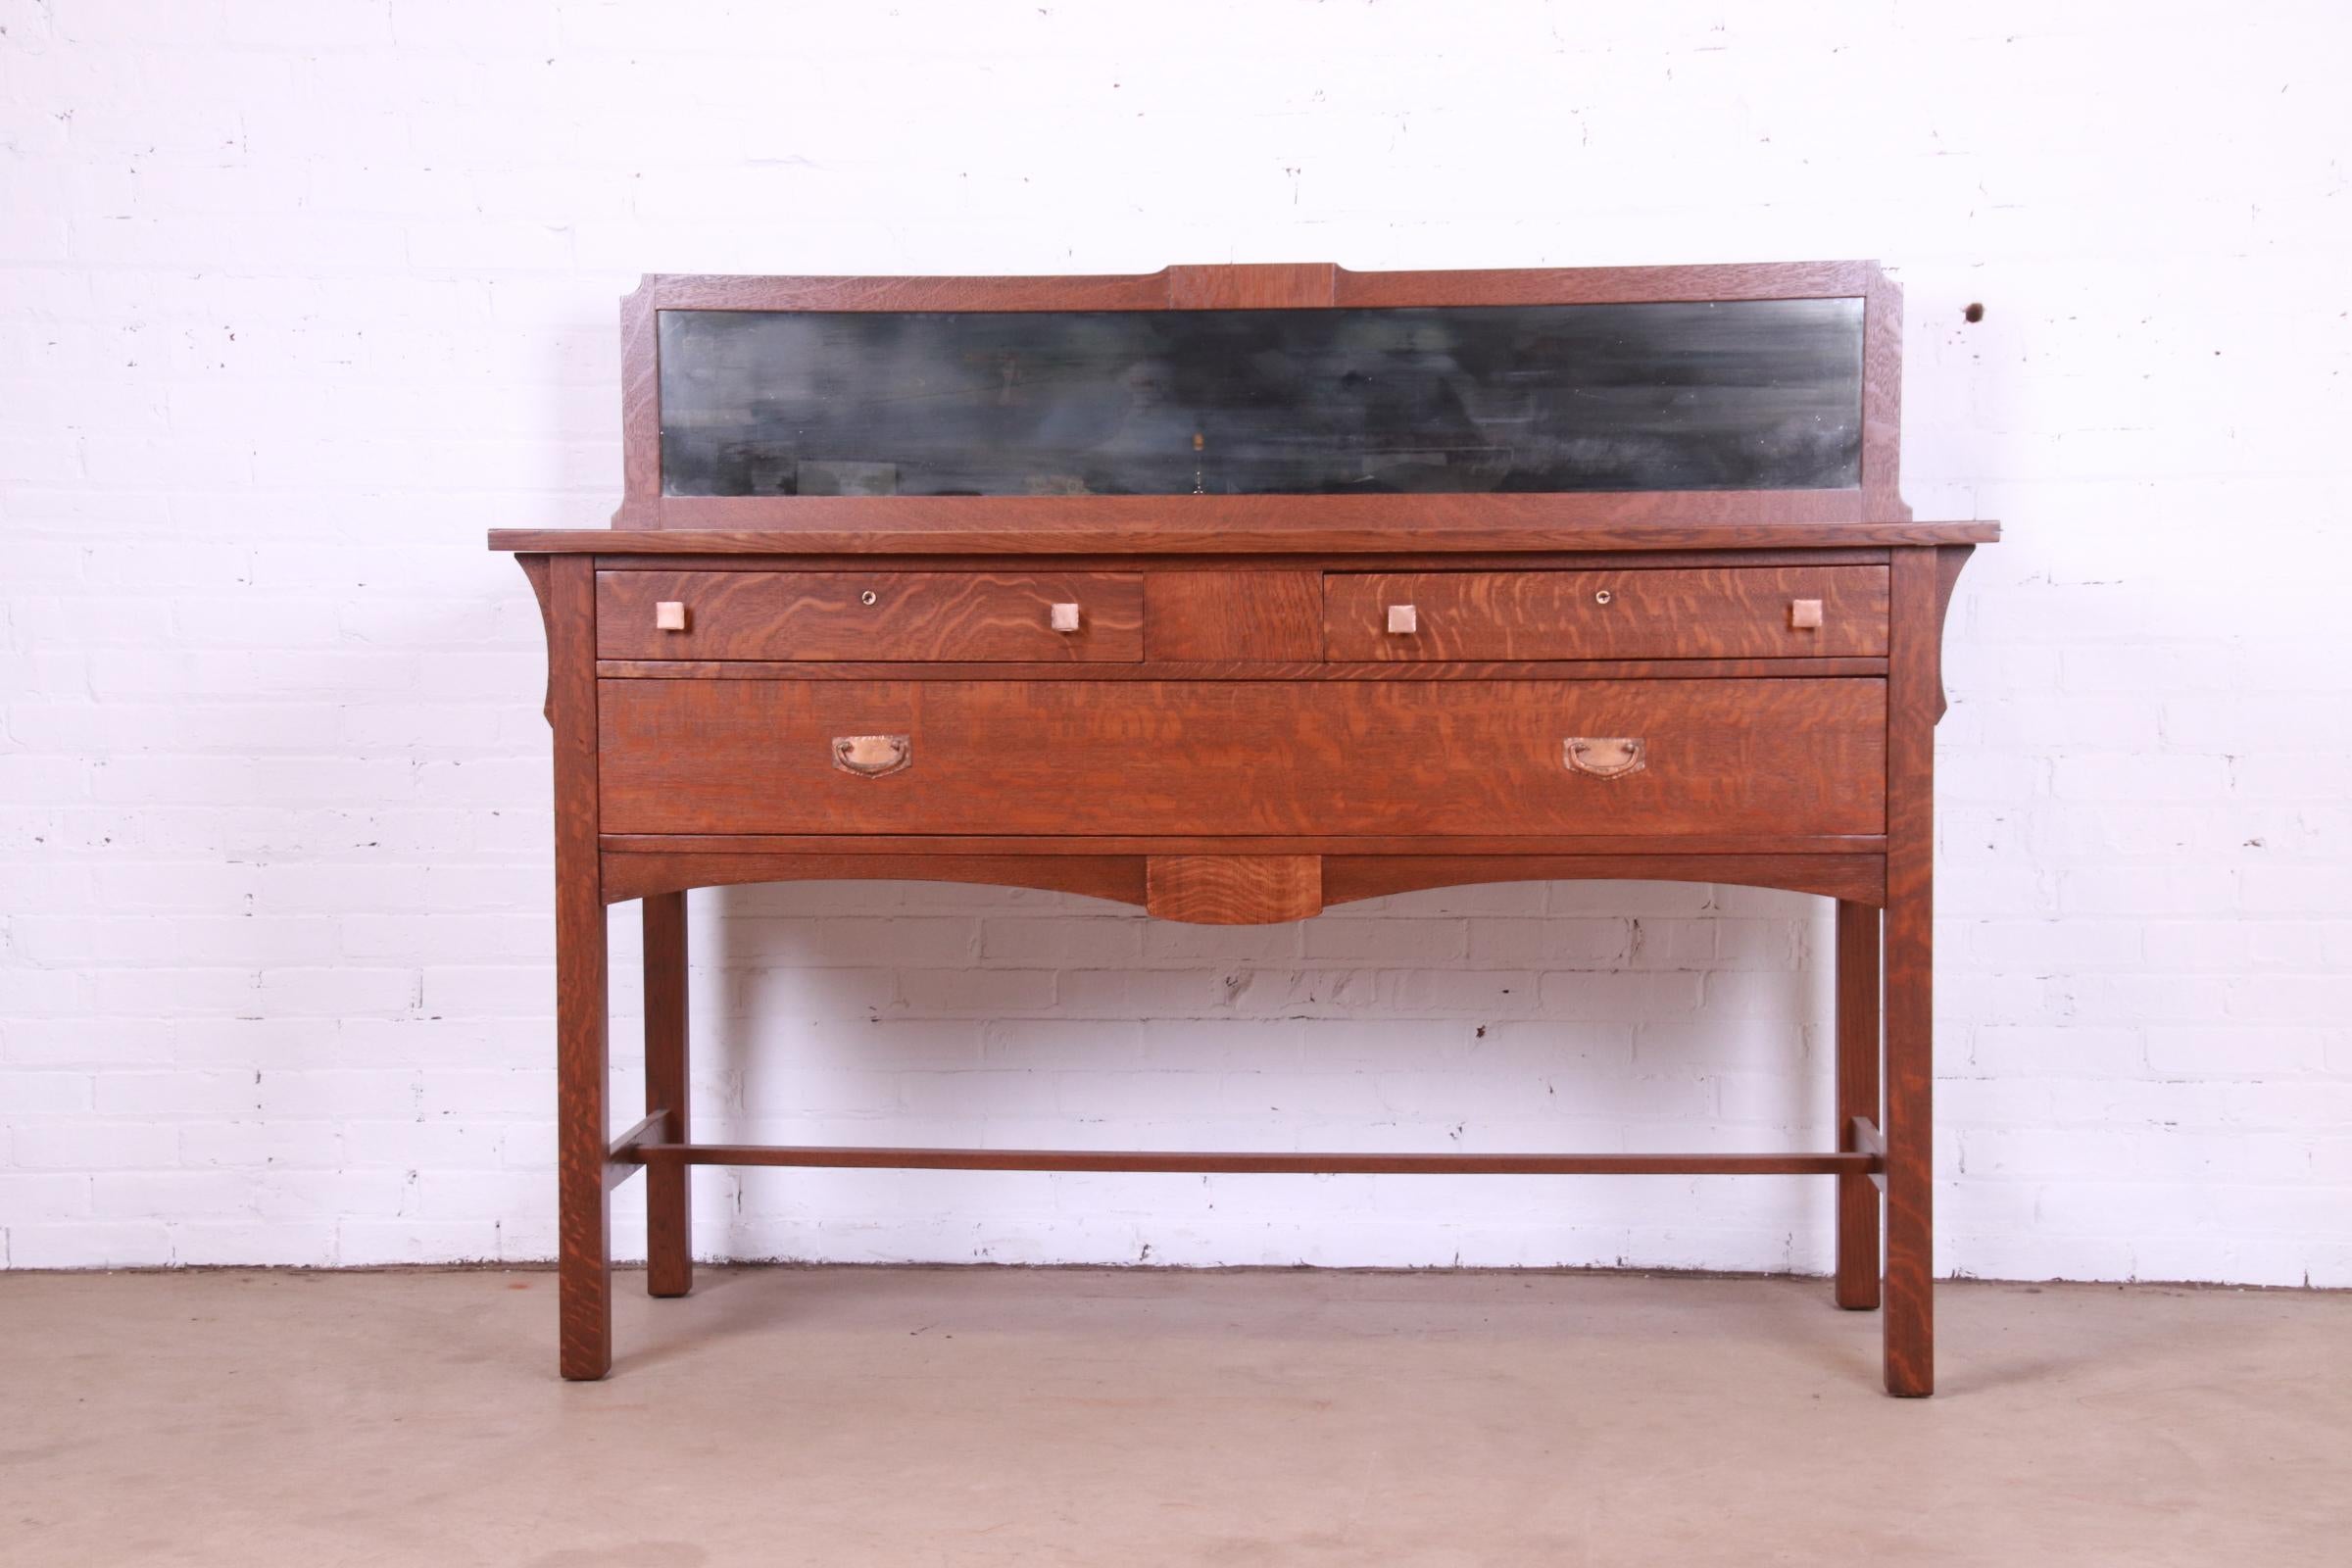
(1659, 613)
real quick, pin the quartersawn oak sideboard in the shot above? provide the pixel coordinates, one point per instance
(1237, 592)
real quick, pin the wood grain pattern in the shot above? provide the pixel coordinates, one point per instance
(640, 408)
(583, 1046)
(668, 1199)
(1204, 758)
(1325, 844)
(1609, 286)
(1277, 525)
(1252, 285)
(1234, 889)
(1193, 1162)
(1686, 613)
(1882, 396)
(1247, 669)
(1157, 290)
(1861, 878)
(640, 873)
(1239, 615)
(683, 291)
(778, 557)
(1858, 1070)
(1913, 697)
(796, 615)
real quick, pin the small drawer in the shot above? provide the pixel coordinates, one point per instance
(982, 617)
(1654, 613)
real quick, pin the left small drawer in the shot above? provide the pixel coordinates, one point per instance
(947, 617)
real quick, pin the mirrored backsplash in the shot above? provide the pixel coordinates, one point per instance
(1738, 395)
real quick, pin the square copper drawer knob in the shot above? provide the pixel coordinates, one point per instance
(1804, 615)
(1066, 617)
(1404, 620)
(669, 615)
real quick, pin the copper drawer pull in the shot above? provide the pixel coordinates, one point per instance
(1606, 756)
(1066, 617)
(873, 756)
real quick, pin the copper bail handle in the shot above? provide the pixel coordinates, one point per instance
(873, 756)
(1606, 756)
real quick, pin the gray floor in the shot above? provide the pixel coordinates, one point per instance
(961, 1416)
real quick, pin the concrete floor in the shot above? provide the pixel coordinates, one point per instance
(977, 1416)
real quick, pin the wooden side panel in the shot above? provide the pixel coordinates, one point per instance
(1236, 757)
(535, 568)
(1729, 612)
(583, 1047)
(1234, 889)
(1245, 615)
(983, 616)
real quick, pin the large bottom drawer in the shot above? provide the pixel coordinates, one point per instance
(1323, 757)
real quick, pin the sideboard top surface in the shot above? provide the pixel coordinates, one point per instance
(1168, 531)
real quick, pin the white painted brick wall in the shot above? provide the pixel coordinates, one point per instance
(301, 296)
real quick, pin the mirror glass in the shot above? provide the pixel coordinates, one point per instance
(1731, 395)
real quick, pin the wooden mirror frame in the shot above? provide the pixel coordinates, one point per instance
(1265, 286)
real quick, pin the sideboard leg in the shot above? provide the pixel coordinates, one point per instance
(1910, 1313)
(1857, 980)
(583, 1040)
(1914, 702)
(668, 1195)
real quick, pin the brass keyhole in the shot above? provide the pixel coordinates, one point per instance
(1603, 597)
(866, 597)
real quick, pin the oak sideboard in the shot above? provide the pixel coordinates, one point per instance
(1235, 593)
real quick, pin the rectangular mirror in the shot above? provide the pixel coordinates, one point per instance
(1731, 395)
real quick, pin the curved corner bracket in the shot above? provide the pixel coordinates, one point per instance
(1949, 560)
(535, 568)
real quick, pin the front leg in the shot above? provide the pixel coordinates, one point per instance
(583, 1047)
(1914, 702)
(1910, 1130)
